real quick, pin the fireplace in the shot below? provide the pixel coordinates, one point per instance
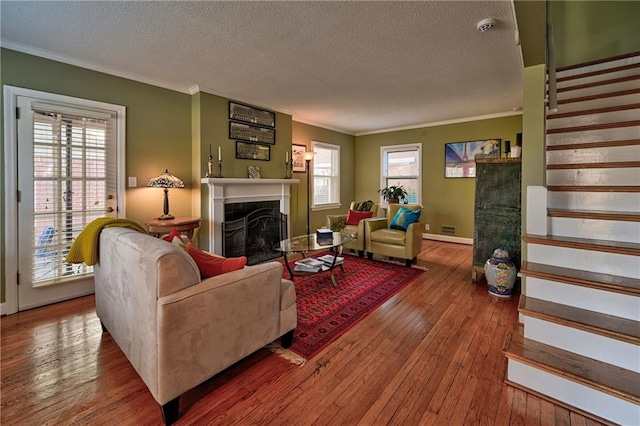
(229, 191)
(253, 230)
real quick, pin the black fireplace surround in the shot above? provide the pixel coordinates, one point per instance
(254, 230)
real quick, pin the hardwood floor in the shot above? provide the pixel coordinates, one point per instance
(432, 354)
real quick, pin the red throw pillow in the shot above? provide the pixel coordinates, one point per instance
(354, 217)
(210, 265)
(174, 233)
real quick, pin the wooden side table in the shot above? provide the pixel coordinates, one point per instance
(184, 225)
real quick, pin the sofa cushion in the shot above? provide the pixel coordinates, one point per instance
(211, 265)
(404, 217)
(354, 217)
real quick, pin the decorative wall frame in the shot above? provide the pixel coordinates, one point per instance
(249, 114)
(459, 157)
(249, 133)
(252, 151)
(297, 159)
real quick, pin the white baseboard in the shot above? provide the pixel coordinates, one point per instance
(448, 239)
(3, 308)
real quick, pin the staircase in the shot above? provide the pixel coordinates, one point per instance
(580, 341)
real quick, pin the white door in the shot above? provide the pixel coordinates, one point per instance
(67, 172)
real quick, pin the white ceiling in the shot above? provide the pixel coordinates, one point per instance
(353, 66)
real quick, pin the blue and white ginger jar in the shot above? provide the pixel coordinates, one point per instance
(500, 273)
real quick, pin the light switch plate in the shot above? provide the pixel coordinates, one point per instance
(133, 181)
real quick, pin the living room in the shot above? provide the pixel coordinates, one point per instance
(170, 129)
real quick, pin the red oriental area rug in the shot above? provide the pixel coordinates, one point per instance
(325, 312)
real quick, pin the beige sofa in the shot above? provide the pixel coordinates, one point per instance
(176, 329)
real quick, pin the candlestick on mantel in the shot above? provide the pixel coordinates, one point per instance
(210, 153)
(286, 157)
(219, 154)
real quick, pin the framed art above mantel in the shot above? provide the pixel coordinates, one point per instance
(252, 115)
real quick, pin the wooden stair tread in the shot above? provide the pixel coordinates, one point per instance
(622, 329)
(595, 214)
(599, 83)
(589, 127)
(598, 96)
(598, 61)
(600, 165)
(598, 72)
(594, 188)
(618, 247)
(611, 379)
(598, 280)
(614, 108)
(589, 145)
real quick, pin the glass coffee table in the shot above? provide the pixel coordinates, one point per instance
(309, 243)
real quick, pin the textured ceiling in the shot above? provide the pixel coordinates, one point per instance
(347, 65)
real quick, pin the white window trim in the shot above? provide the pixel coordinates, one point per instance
(311, 174)
(11, 94)
(387, 148)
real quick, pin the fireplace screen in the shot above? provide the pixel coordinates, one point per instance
(255, 236)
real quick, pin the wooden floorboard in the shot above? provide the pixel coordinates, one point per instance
(432, 354)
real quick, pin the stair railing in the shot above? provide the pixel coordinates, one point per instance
(552, 92)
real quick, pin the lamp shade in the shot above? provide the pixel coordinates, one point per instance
(166, 181)
(308, 155)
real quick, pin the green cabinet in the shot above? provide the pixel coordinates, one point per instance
(497, 213)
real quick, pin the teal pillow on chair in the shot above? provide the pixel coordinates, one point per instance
(404, 217)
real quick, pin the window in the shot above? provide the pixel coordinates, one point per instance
(326, 175)
(400, 165)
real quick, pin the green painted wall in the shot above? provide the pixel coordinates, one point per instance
(211, 128)
(158, 126)
(447, 202)
(590, 30)
(304, 134)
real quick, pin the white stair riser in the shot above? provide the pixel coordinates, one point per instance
(597, 67)
(611, 201)
(594, 177)
(599, 90)
(597, 78)
(606, 302)
(596, 118)
(585, 260)
(605, 349)
(598, 103)
(575, 394)
(594, 155)
(628, 232)
(600, 135)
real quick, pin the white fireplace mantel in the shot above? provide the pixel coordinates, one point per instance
(242, 190)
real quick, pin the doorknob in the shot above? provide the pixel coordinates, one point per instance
(109, 209)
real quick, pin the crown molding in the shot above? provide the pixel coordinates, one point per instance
(311, 123)
(443, 123)
(71, 61)
(253, 102)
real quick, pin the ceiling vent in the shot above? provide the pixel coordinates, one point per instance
(486, 24)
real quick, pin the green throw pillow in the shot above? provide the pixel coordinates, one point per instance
(405, 217)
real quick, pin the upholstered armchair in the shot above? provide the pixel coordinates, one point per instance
(381, 237)
(355, 227)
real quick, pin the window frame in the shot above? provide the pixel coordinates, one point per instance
(384, 150)
(336, 203)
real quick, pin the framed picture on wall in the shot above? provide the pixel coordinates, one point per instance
(296, 156)
(249, 133)
(249, 114)
(459, 157)
(252, 151)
